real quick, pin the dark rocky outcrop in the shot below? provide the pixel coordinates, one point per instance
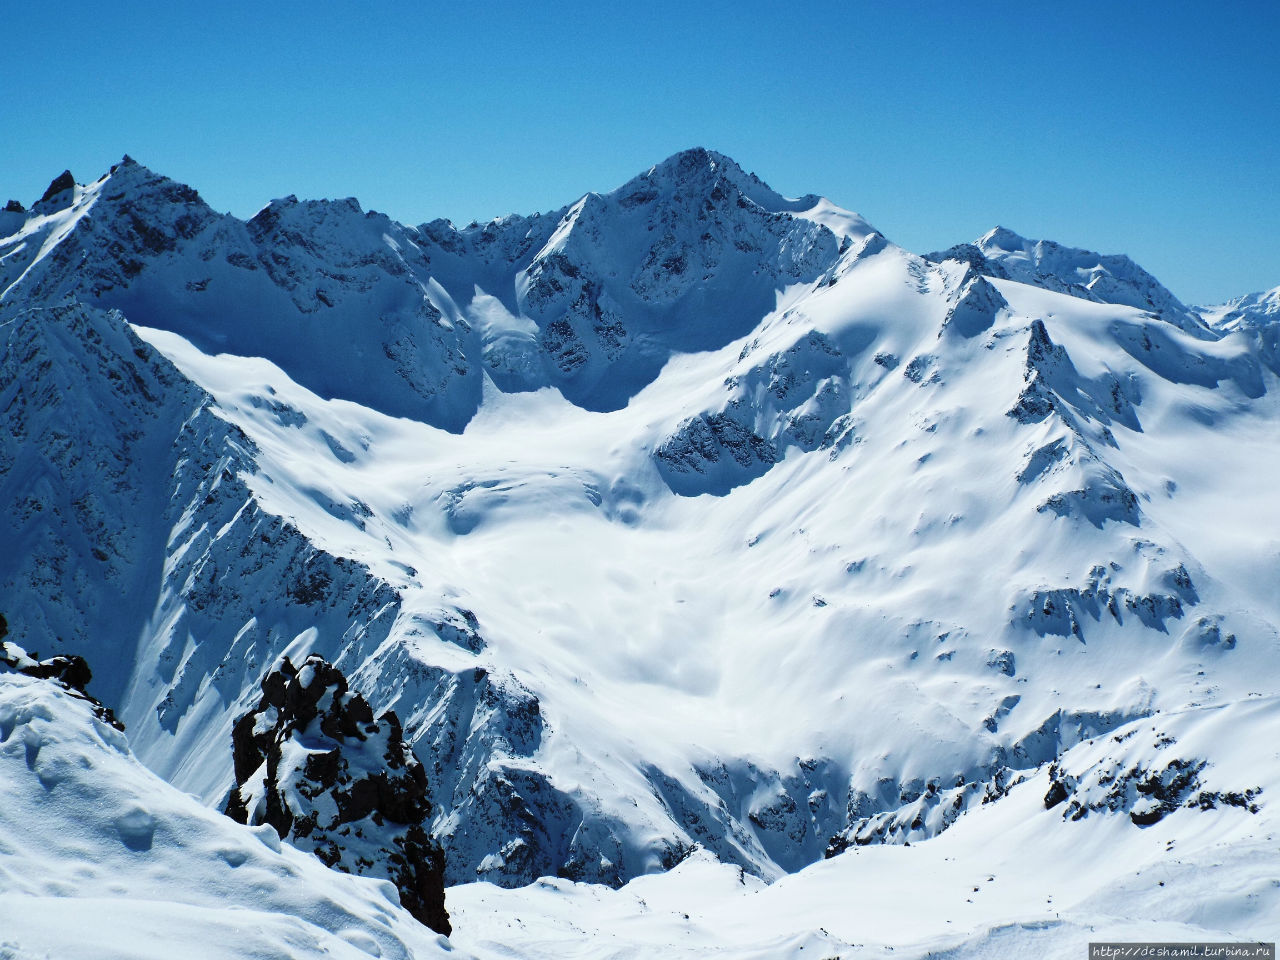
(1130, 780)
(313, 762)
(70, 672)
(973, 256)
(63, 181)
(714, 452)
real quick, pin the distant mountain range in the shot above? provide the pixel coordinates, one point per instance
(687, 525)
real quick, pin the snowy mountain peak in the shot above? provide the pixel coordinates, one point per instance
(1000, 238)
(708, 173)
(132, 182)
(60, 185)
(1103, 278)
(696, 165)
(1251, 310)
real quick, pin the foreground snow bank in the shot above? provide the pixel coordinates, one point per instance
(102, 859)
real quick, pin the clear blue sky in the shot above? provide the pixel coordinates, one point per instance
(1146, 128)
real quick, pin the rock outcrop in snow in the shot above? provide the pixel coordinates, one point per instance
(1105, 278)
(313, 763)
(70, 672)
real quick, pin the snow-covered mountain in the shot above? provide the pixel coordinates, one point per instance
(1254, 309)
(1104, 278)
(1255, 317)
(685, 524)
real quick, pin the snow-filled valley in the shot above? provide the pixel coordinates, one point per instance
(747, 585)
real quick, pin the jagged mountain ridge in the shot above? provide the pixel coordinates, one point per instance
(1105, 278)
(529, 592)
(390, 294)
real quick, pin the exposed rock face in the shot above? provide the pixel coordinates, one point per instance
(969, 253)
(796, 396)
(1148, 794)
(976, 307)
(313, 762)
(62, 182)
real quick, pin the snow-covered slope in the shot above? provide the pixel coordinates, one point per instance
(1009, 879)
(684, 518)
(102, 859)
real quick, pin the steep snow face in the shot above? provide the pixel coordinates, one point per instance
(104, 860)
(1108, 278)
(753, 531)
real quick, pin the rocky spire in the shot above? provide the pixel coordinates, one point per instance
(313, 762)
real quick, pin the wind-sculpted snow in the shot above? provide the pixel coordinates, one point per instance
(71, 673)
(684, 521)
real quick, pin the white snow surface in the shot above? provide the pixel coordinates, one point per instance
(1110, 278)
(700, 527)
